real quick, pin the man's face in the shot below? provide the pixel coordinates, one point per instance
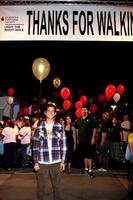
(84, 112)
(50, 112)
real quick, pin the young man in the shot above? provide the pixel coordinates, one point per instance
(49, 153)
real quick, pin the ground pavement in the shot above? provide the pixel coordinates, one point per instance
(20, 184)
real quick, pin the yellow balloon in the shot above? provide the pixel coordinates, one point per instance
(56, 82)
(41, 68)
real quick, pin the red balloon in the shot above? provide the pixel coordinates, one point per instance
(101, 98)
(78, 104)
(93, 108)
(83, 99)
(10, 91)
(78, 113)
(120, 89)
(65, 93)
(25, 111)
(110, 91)
(66, 104)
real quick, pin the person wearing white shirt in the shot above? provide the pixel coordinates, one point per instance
(25, 138)
(9, 133)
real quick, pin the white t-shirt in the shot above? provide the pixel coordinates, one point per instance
(49, 128)
(9, 134)
(26, 135)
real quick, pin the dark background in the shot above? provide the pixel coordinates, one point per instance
(84, 67)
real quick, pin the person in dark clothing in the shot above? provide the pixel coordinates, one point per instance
(87, 130)
(103, 144)
(70, 140)
(115, 141)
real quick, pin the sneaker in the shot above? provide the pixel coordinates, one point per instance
(85, 172)
(104, 170)
(91, 175)
(9, 169)
(100, 169)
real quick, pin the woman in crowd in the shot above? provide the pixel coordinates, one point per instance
(25, 137)
(115, 141)
(71, 141)
(9, 133)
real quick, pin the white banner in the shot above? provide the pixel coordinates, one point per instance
(84, 22)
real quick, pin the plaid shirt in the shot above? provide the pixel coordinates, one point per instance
(40, 144)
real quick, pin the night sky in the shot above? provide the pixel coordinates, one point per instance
(82, 66)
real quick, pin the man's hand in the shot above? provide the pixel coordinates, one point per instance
(62, 167)
(36, 167)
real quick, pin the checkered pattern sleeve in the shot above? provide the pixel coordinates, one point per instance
(36, 145)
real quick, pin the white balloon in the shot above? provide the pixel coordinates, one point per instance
(10, 100)
(116, 97)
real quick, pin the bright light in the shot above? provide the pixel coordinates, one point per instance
(113, 107)
(41, 68)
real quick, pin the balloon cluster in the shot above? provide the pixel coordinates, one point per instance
(115, 93)
(65, 94)
(79, 104)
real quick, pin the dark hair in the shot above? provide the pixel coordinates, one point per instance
(10, 123)
(50, 105)
(1, 125)
(5, 118)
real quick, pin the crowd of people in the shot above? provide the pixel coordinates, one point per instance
(56, 143)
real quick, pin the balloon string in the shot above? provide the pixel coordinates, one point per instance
(40, 92)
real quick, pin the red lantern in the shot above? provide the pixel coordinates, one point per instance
(78, 113)
(78, 104)
(66, 104)
(101, 98)
(93, 108)
(110, 91)
(120, 89)
(10, 91)
(65, 93)
(83, 99)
